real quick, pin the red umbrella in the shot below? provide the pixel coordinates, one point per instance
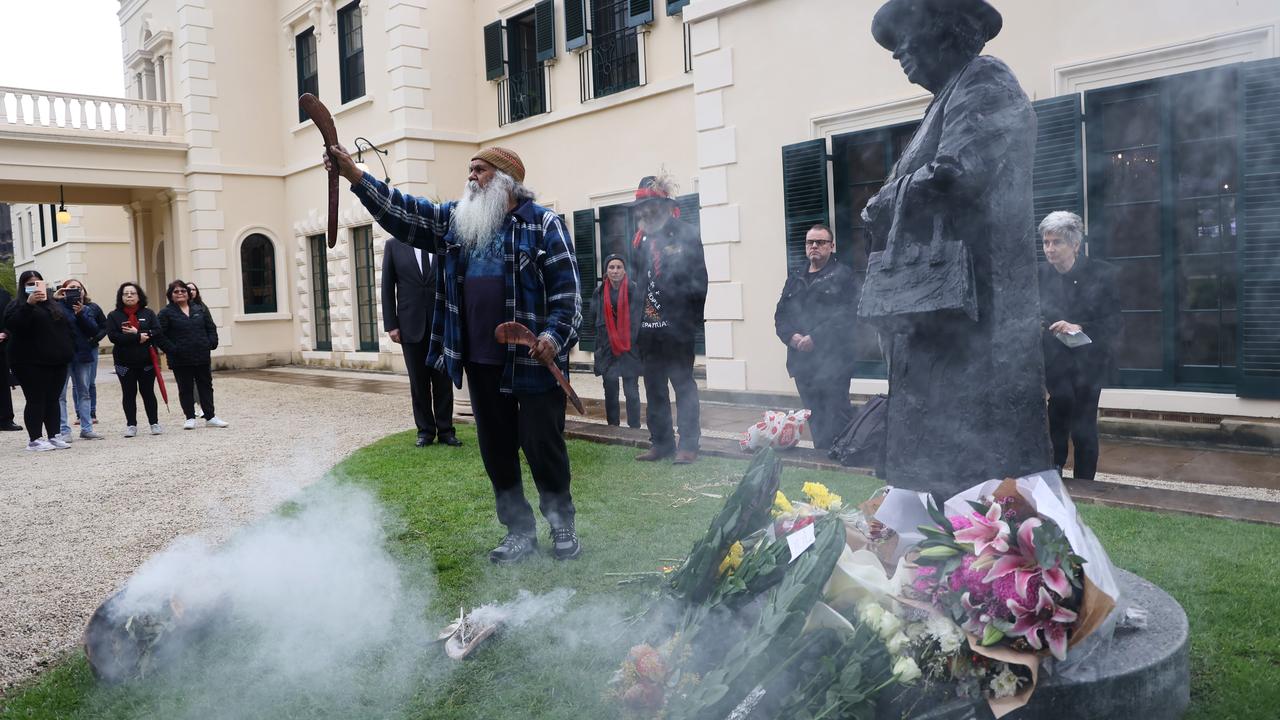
(155, 365)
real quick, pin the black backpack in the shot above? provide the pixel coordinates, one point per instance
(862, 442)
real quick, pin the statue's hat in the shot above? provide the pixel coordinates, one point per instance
(896, 15)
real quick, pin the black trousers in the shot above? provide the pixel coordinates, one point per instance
(134, 381)
(6, 395)
(630, 388)
(1073, 413)
(191, 379)
(827, 399)
(507, 423)
(670, 361)
(431, 393)
(42, 390)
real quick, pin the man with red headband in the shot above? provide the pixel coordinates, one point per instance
(672, 271)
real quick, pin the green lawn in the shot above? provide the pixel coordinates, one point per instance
(632, 517)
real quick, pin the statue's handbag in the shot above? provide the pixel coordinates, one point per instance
(912, 280)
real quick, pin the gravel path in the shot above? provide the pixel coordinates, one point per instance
(74, 524)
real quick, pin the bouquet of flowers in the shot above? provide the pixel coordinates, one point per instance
(779, 429)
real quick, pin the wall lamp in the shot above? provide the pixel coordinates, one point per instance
(386, 177)
(64, 217)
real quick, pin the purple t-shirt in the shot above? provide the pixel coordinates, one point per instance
(484, 300)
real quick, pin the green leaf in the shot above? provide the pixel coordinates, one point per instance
(991, 635)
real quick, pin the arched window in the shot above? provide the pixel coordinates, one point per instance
(258, 274)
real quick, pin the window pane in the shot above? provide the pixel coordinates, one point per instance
(1131, 122)
(1141, 348)
(1140, 287)
(1227, 331)
(258, 274)
(1205, 105)
(1229, 223)
(1198, 282)
(1205, 168)
(1133, 230)
(1198, 338)
(1199, 226)
(1133, 175)
(866, 163)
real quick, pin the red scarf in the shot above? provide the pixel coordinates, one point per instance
(618, 322)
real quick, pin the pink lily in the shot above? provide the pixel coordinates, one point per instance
(988, 531)
(1046, 617)
(1024, 565)
(976, 616)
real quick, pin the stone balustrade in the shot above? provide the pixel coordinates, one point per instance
(88, 115)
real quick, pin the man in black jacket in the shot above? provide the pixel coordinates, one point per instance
(815, 320)
(408, 303)
(1079, 298)
(672, 272)
(6, 394)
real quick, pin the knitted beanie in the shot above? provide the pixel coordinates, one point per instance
(503, 159)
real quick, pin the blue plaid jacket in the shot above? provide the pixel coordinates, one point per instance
(541, 286)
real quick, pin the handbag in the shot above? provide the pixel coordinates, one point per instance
(862, 442)
(910, 280)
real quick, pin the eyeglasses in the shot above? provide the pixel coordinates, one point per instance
(818, 243)
(179, 290)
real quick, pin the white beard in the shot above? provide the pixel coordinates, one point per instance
(478, 216)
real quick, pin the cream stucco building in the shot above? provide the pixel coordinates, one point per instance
(770, 114)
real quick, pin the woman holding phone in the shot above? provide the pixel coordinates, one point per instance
(85, 334)
(134, 330)
(190, 335)
(40, 348)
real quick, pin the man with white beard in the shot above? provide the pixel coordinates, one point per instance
(500, 258)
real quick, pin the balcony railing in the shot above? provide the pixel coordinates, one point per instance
(614, 62)
(524, 94)
(43, 111)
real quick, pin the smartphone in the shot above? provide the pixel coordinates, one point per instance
(38, 287)
(72, 296)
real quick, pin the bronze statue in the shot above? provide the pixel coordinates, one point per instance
(953, 284)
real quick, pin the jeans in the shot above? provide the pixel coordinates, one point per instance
(93, 386)
(631, 389)
(80, 378)
(507, 423)
(40, 385)
(667, 360)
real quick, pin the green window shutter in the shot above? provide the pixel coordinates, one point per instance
(1058, 175)
(675, 6)
(544, 30)
(494, 66)
(1259, 256)
(804, 194)
(575, 24)
(584, 247)
(639, 12)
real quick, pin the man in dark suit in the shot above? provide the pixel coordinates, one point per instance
(6, 396)
(408, 303)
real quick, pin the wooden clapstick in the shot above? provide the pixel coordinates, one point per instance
(320, 115)
(514, 332)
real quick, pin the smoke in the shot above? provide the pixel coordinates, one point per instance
(303, 614)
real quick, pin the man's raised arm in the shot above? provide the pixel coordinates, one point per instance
(417, 221)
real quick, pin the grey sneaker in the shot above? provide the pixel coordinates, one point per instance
(39, 445)
(130, 430)
(564, 543)
(90, 435)
(156, 429)
(513, 548)
(216, 422)
(57, 442)
(64, 437)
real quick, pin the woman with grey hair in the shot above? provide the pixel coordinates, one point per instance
(1080, 310)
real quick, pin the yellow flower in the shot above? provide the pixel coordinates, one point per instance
(820, 497)
(732, 559)
(781, 505)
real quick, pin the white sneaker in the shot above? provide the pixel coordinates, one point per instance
(64, 437)
(89, 435)
(39, 445)
(130, 430)
(215, 422)
(157, 430)
(190, 424)
(57, 442)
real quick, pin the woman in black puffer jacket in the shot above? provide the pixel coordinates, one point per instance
(133, 330)
(40, 348)
(190, 335)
